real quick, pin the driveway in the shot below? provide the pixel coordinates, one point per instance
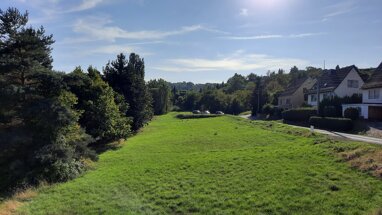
(335, 134)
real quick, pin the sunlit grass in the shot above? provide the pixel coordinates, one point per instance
(218, 165)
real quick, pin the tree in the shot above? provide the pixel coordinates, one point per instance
(161, 94)
(127, 78)
(57, 153)
(236, 82)
(55, 145)
(24, 51)
(103, 110)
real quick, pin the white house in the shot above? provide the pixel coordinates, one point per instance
(336, 82)
(371, 107)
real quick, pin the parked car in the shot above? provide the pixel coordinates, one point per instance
(196, 112)
(206, 112)
(219, 113)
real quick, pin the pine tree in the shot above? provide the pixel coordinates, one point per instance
(127, 78)
(24, 52)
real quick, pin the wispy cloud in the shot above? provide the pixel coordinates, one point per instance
(272, 36)
(100, 29)
(243, 12)
(86, 5)
(339, 9)
(125, 48)
(239, 61)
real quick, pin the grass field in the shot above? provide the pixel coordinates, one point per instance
(222, 165)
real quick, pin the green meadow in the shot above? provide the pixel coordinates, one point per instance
(222, 165)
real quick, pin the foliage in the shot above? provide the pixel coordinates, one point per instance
(334, 124)
(103, 110)
(299, 114)
(235, 83)
(221, 165)
(127, 78)
(351, 113)
(35, 102)
(336, 104)
(161, 94)
(268, 109)
(23, 52)
(331, 111)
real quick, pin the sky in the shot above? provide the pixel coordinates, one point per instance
(210, 40)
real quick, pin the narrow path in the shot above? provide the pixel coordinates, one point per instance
(335, 134)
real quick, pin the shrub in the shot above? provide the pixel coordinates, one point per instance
(335, 124)
(300, 114)
(196, 116)
(330, 111)
(352, 113)
(268, 109)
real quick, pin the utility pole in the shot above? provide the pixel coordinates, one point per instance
(318, 90)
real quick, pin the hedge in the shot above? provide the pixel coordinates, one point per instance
(334, 124)
(352, 113)
(299, 114)
(196, 116)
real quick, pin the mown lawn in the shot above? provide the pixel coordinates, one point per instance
(222, 165)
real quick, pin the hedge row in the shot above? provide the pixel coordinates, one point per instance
(299, 115)
(334, 124)
(196, 116)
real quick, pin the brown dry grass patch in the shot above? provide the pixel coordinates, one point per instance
(366, 160)
(11, 205)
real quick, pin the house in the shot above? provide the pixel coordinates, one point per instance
(336, 82)
(371, 107)
(293, 95)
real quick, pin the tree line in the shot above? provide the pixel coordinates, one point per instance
(240, 93)
(52, 123)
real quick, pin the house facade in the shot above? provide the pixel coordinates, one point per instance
(371, 107)
(293, 95)
(336, 82)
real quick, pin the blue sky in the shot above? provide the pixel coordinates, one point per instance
(210, 40)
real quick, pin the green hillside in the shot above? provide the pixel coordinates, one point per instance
(222, 165)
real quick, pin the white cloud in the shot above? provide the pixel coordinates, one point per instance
(339, 9)
(239, 61)
(243, 12)
(119, 48)
(85, 5)
(100, 29)
(272, 36)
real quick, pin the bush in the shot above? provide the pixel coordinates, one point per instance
(330, 111)
(196, 116)
(352, 113)
(268, 109)
(300, 114)
(335, 124)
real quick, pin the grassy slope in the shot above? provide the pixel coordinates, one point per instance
(218, 165)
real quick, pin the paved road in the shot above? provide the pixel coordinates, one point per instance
(336, 134)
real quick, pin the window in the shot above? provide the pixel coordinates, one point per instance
(352, 83)
(281, 101)
(313, 98)
(287, 101)
(374, 94)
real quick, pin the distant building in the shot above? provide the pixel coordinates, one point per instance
(293, 95)
(371, 107)
(336, 82)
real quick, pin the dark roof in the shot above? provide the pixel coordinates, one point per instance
(331, 79)
(375, 79)
(291, 88)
